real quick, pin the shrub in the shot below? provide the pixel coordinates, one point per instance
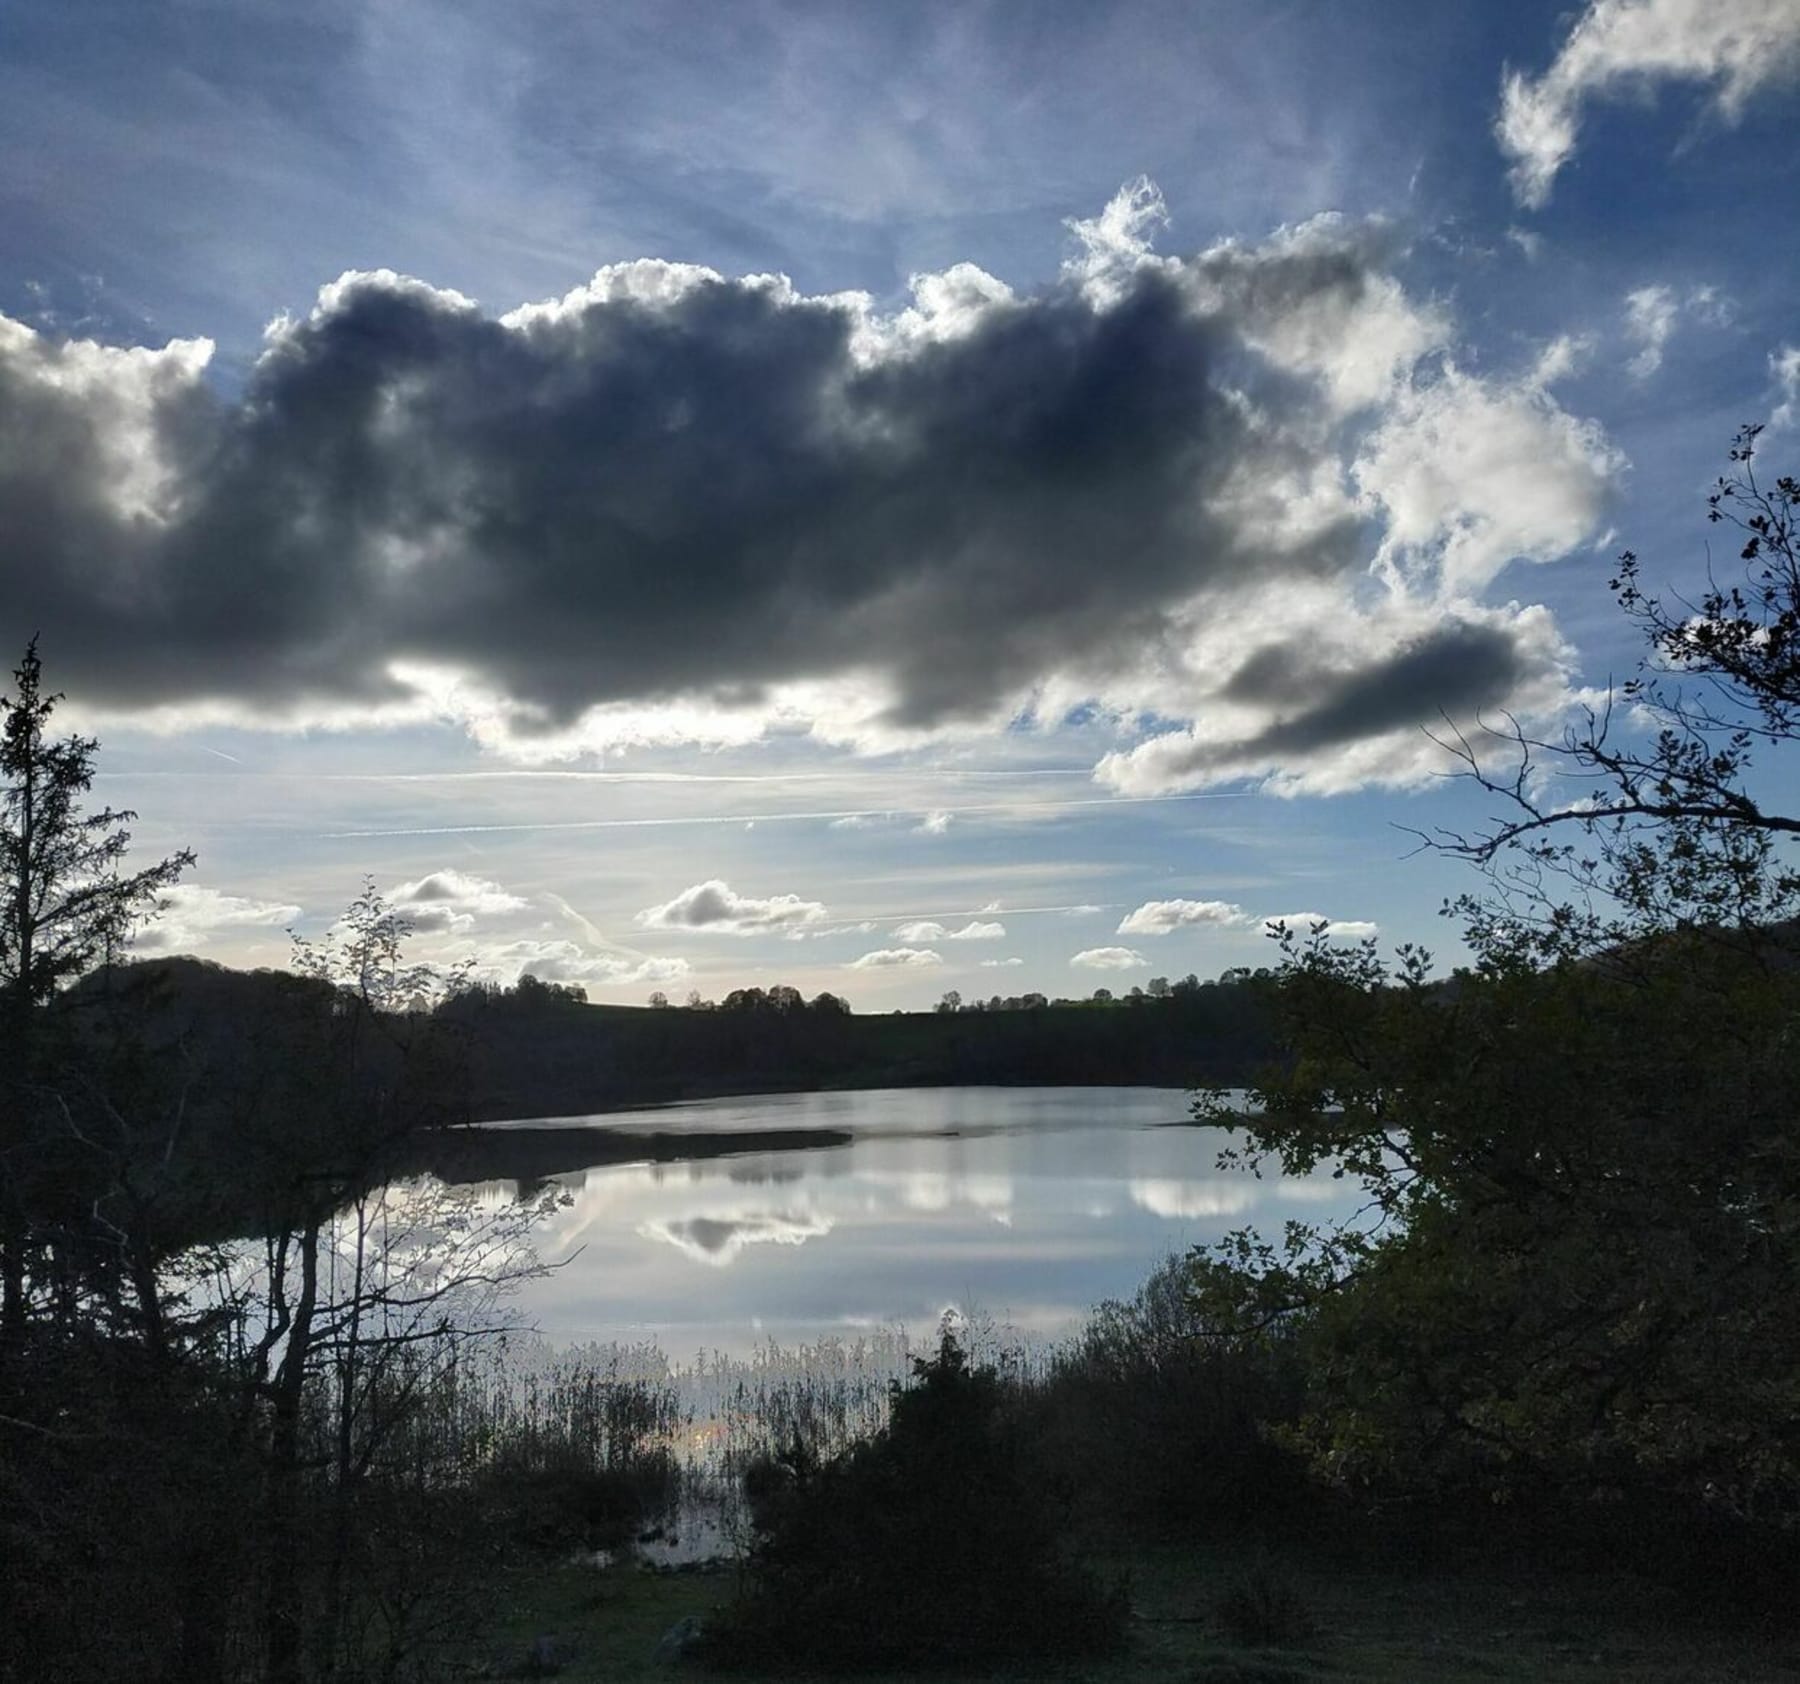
(1162, 1425)
(1264, 1609)
(928, 1546)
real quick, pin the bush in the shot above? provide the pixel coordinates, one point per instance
(928, 1546)
(1264, 1609)
(1164, 1426)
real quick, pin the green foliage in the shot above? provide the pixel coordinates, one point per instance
(1572, 1268)
(1580, 1186)
(929, 1546)
(1162, 1427)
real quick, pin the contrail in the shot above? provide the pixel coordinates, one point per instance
(779, 818)
(564, 775)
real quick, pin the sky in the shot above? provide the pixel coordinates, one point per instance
(881, 498)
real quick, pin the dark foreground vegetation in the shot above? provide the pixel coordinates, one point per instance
(1533, 1412)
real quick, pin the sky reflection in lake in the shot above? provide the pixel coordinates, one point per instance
(1026, 1205)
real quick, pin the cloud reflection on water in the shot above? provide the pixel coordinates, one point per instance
(1028, 1205)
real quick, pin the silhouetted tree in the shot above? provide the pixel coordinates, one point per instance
(1572, 1263)
(65, 905)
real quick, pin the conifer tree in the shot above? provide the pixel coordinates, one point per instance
(66, 905)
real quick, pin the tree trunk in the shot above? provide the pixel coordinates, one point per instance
(284, 1606)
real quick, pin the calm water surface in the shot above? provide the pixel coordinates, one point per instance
(1024, 1205)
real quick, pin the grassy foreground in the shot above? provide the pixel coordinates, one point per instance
(1373, 1625)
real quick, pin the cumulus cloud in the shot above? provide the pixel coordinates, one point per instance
(1301, 923)
(1001, 964)
(554, 960)
(1735, 47)
(928, 929)
(1108, 959)
(452, 901)
(1164, 917)
(888, 958)
(672, 507)
(189, 916)
(934, 824)
(718, 909)
(1364, 690)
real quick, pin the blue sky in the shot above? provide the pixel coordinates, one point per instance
(875, 497)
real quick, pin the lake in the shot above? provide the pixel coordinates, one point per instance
(1025, 1206)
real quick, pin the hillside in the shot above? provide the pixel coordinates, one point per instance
(539, 1054)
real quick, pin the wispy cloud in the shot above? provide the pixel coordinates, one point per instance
(191, 916)
(1737, 48)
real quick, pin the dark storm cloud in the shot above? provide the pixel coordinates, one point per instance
(640, 494)
(1454, 670)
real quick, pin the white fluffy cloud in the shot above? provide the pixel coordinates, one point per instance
(1469, 474)
(1735, 47)
(1001, 964)
(1108, 959)
(191, 915)
(890, 958)
(452, 901)
(1301, 923)
(567, 961)
(716, 908)
(927, 929)
(1164, 917)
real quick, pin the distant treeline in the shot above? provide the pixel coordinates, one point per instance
(537, 1050)
(540, 1050)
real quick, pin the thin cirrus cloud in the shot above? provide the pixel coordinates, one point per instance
(1736, 48)
(715, 908)
(1652, 314)
(672, 507)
